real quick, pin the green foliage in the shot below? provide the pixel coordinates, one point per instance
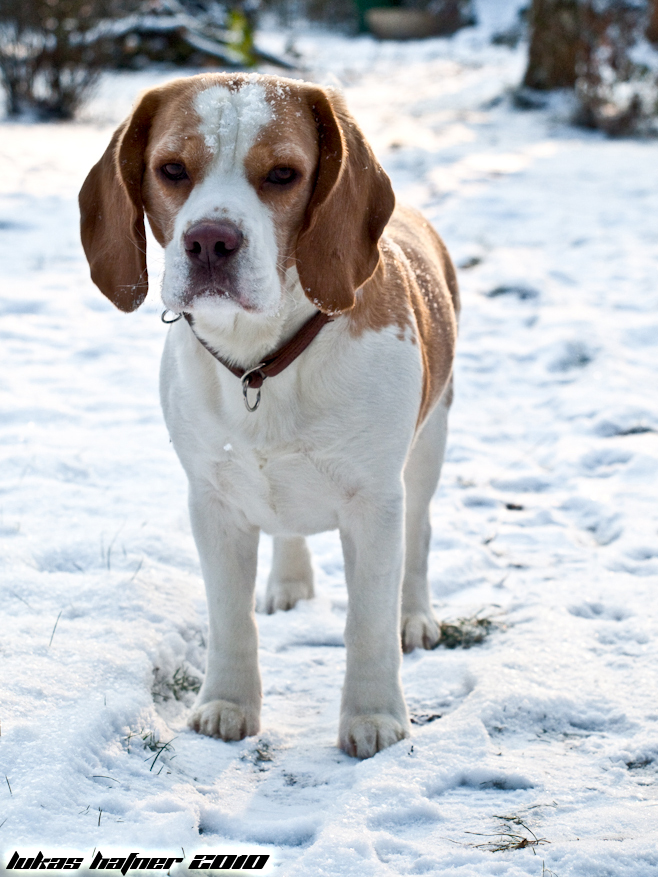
(466, 632)
(241, 35)
(182, 682)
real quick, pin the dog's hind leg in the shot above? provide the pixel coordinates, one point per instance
(291, 577)
(419, 627)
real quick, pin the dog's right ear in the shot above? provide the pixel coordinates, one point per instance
(112, 212)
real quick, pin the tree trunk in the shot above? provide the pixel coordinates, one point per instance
(554, 44)
(652, 30)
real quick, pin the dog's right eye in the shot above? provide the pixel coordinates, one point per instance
(174, 171)
(281, 176)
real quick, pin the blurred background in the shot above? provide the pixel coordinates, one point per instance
(52, 52)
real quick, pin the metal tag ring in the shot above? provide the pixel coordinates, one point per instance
(167, 311)
(245, 393)
(245, 387)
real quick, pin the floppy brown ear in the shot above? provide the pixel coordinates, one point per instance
(112, 213)
(337, 248)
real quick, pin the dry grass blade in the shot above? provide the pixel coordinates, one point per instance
(161, 748)
(513, 834)
(55, 628)
(151, 741)
(424, 718)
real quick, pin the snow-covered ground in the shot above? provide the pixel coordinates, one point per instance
(545, 520)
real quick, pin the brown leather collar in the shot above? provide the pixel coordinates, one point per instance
(275, 363)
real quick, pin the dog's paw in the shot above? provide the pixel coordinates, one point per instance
(221, 718)
(285, 595)
(420, 630)
(364, 736)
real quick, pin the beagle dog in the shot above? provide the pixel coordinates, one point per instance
(308, 387)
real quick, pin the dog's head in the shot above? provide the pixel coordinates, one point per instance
(243, 178)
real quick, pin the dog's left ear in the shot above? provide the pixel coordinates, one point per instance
(112, 212)
(338, 245)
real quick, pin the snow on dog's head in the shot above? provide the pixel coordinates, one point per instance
(249, 183)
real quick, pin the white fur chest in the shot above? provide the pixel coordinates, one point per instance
(306, 453)
(283, 491)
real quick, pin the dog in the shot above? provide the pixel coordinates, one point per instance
(307, 387)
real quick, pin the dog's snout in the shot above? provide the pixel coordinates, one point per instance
(210, 243)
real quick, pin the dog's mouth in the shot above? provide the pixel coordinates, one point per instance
(218, 296)
(220, 291)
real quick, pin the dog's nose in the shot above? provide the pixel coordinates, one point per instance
(212, 242)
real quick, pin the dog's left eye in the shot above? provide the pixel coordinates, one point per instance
(281, 175)
(174, 171)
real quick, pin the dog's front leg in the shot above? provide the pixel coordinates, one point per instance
(228, 705)
(373, 711)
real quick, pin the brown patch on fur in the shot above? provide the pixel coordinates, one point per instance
(174, 138)
(290, 141)
(417, 291)
(338, 246)
(449, 392)
(328, 223)
(385, 299)
(112, 201)
(112, 219)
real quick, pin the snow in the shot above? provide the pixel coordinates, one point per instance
(223, 112)
(545, 520)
